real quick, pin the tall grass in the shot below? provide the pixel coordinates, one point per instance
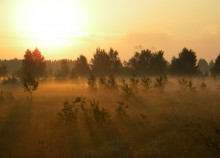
(100, 123)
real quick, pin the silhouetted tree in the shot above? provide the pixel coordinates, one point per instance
(216, 67)
(3, 70)
(33, 64)
(158, 64)
(140, 62)
(64, 69)
(30, 84)
(81, 66)
(185, 64)
(13, 65)
(101, 63)
(147, 62)
(116, 64)
(211, 64)
(104, 63)
(203, 66)
(33, 67)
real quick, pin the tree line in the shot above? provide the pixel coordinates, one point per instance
(142, 63)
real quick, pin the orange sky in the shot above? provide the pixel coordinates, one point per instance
(67, 28)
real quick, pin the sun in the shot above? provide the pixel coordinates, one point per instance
(51, 23)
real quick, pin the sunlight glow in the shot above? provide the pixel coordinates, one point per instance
(51, 23)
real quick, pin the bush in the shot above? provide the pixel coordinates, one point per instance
(99, 115)
(126, 90)
(186, 85)
(111, 82)
(160, 83)
(146, 83)
(121, 109)
(102, 82)
(134, 82)
(92, 82)
(68, 113)
(93, 113)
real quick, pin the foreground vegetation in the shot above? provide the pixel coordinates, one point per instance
(112, 117)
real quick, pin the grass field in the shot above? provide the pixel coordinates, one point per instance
(155, 124)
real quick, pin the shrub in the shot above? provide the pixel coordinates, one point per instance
(186, 85)
(70, 110)
(68, 113)
(126, 90)
(111, 82)
(160, 83)
(99, 115)
(134, 82)
(92, 82)
(29, 84)
(121, 109)
(102, 82)
(93, 113)
(146, 83)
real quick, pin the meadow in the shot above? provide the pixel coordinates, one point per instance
(71, 119)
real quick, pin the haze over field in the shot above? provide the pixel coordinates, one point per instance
(67, 28)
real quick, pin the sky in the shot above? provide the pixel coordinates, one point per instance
(68, 28)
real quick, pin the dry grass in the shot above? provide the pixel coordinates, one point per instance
(169, 124)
